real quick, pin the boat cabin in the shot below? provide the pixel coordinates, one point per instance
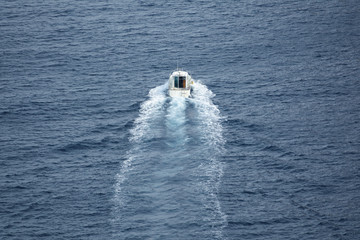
(180, 84)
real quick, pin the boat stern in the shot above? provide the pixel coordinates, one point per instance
(179, 93)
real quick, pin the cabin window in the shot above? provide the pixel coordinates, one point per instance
(179, 81)
(182, 82)
(176, 81)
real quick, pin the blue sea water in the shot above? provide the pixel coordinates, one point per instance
(91, 146)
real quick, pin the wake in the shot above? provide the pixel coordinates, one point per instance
(170, 179)
(175, 122)
(212, 168)
(149, 110)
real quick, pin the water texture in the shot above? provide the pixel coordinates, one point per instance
(91, 146)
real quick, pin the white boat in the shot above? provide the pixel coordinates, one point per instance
(180, 84)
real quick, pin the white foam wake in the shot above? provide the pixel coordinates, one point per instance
(177, 163)
(142, 130)
(212, 169)
(149, 110)
(209, 115)
(175, 122)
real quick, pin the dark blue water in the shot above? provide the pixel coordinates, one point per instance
(91, 147)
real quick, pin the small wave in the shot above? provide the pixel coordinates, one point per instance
(84, 144)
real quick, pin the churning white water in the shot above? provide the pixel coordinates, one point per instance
(171, 176)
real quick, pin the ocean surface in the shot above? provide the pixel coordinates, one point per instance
(91, 146)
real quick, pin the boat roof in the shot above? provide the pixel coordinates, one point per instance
(180, 73)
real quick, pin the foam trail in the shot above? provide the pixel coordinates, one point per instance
(209, 116)
(150, 110)
(172, 173)
(209, 121)
(175, 121)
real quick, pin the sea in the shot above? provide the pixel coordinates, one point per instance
(92, 147)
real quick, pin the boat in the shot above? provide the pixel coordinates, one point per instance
(180, 83)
